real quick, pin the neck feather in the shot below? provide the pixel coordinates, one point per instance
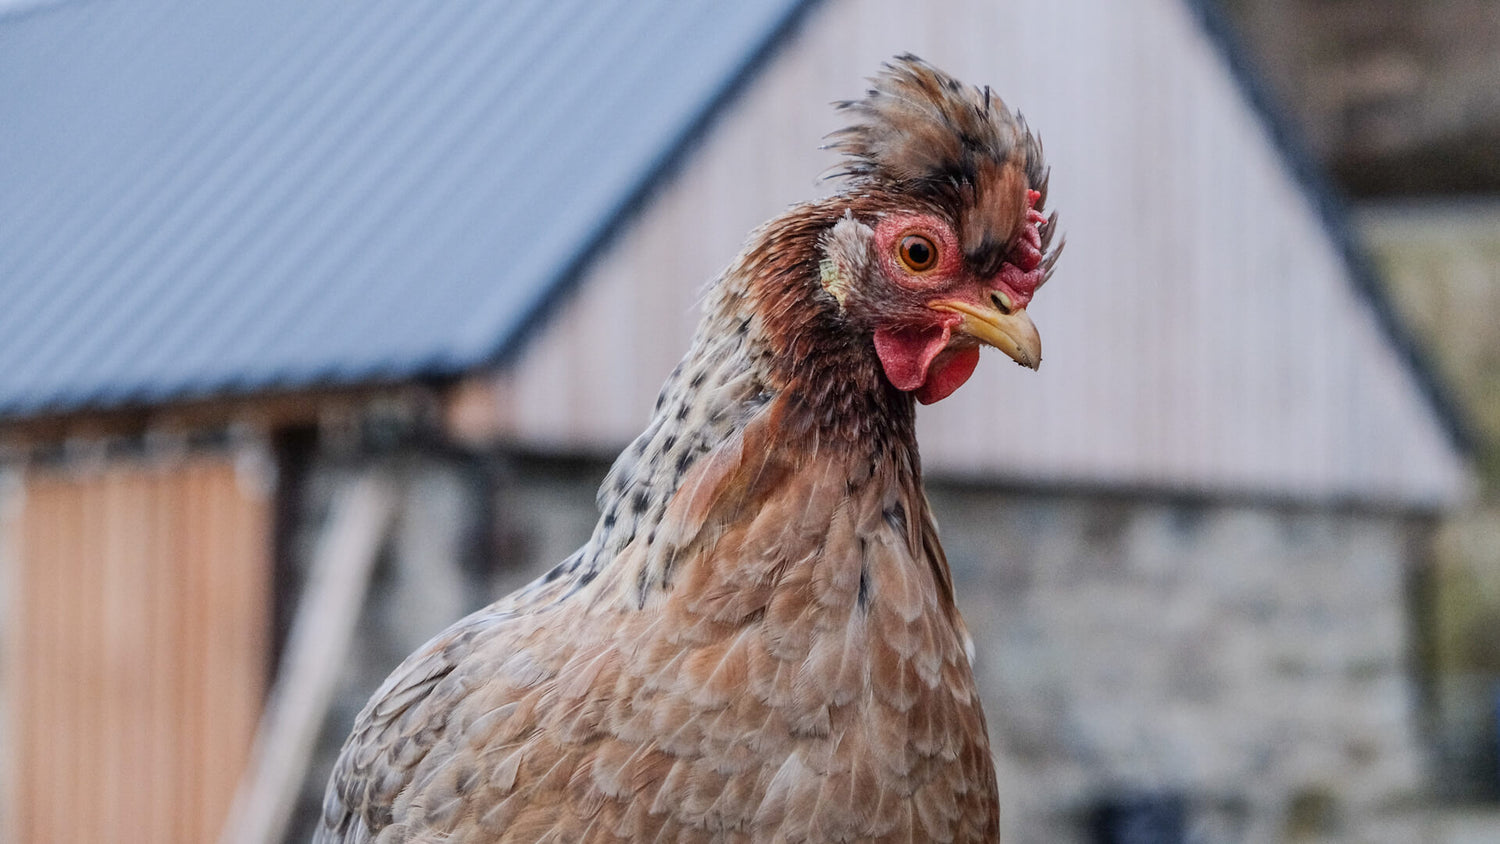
(772, 355)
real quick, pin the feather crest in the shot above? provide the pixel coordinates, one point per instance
(922, 131)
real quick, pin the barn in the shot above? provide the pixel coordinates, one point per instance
(319, 324)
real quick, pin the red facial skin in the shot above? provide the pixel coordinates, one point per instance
(916, 344)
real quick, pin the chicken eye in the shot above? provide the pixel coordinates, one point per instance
(918, 253)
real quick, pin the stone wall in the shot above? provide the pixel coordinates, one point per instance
(1251, 659)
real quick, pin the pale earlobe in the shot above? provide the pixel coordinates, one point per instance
(846, 257)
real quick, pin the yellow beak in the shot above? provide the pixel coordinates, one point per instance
(1012, 332)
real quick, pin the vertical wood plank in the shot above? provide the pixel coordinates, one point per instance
(160, 588)
(185, 495)
(34, 692)
(199, 622)
(104, 566)
(80, 601)
(133, 561)
(219, 621)
(12, 667)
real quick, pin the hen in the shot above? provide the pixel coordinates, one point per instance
(759, 642)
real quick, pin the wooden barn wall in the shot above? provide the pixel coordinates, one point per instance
(135, 645)
(1201, 332)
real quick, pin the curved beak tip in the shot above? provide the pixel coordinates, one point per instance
(1011, 332)
(1030, 361)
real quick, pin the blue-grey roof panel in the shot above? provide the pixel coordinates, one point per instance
(198, 198)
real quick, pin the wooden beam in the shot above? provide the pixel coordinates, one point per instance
(21, 437)
(316, 650)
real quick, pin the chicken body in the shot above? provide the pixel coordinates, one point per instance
(759, 642)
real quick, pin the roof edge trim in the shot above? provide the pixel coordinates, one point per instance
(567, 279)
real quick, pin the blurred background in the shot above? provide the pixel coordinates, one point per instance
(321, 322)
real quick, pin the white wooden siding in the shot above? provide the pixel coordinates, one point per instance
(1201, 332)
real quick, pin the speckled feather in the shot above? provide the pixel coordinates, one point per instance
(759, 642)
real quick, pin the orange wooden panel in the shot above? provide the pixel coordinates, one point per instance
(137, 649)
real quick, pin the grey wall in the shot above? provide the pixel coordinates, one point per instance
(1254, 659)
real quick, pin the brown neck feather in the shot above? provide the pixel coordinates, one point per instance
(808, 354)
(772, 343)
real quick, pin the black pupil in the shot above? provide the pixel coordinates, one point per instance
(918, 251)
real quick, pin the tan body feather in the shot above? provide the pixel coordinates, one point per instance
(802, 680)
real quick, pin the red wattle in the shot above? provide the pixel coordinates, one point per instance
(948, 373)
(919, 359)
(906, 353)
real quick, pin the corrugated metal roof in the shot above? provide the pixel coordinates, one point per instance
(199, 198)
